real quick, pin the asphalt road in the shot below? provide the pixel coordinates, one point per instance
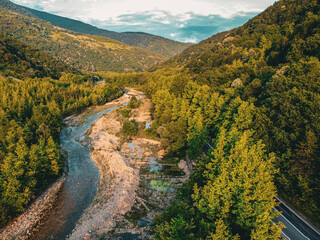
(296, 228)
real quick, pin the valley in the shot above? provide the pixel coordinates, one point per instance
(129, 173)
(80, 51)
(107, 135)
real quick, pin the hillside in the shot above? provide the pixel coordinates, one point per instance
(15, 8)
(163, 46)
(254, 92)
(36, 91)
(84, 52)
(19, 60)
(192, 52)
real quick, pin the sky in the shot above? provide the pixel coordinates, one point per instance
(181, 20)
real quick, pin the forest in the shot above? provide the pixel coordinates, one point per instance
(36, 92)
(254, 95)
(80, 51)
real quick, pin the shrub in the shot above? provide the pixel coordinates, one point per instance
(134, 102)
(130, 128)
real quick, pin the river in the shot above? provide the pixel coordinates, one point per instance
(80, 186)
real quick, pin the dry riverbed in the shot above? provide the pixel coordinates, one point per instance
(136, 180)
(21, 228)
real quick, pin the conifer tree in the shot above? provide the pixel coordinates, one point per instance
(239, 188)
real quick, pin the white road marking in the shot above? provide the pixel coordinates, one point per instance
(285, 235)
(208, 144)
(297, 215)
(293, 226)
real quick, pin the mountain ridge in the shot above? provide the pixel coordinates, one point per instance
(260, 80)
(81, 51)
(160, 45)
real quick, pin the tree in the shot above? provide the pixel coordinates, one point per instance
(176, 223)
(130, 128)
(134, 102)
(173, 137)
(239, 189)
(16, 192)
(233, 194)
(52, 152)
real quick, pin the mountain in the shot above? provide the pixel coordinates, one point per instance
(192, 52)
(15, 8)
(253, 93)
(37, 91)
(19, 60)
(84, 52)
(163, 46)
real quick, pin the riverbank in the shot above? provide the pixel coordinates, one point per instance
(22, 227)
(119, 181)
(136, 181)
(119, 178)
(132, 188)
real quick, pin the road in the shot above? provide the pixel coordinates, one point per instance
(295, 227)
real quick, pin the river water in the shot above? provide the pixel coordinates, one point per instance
(79, 188)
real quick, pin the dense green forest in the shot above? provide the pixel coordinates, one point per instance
(36, 92)
(254, 93)
(83, 52)
(20, 60)
(31, 112)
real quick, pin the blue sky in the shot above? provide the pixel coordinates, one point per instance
(182, 20)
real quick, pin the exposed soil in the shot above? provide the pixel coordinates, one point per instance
(21, 228)
(136, 180)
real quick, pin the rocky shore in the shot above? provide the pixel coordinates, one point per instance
(136, 182)
(22, 227)
(132, 188)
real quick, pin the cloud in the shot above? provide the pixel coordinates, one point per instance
(106, 9)
(195, 29)
(182, 20)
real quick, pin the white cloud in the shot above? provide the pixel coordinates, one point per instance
(191, 40)
(183, 20)
(109, 9)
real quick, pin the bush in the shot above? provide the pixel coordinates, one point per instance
(134, 102)
(130, 128)
(125, 112)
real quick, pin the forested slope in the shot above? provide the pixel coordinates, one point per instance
(36, 91)
(163, 46)
(19, 60)
(160, 45)
(255, 94)
(192, 52)
(15, 8)
(85, 52)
